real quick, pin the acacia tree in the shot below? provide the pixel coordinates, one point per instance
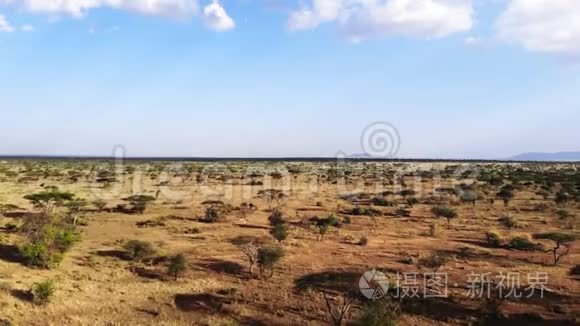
(446, 212)
(561, 239)
(249, 247)
(505, 194)
(339, 312)
(47, 200)
(274, 197)
(177, 265)
(139, 202)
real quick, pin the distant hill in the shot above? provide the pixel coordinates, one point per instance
(558, 157)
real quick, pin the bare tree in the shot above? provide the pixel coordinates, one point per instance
(339, 312)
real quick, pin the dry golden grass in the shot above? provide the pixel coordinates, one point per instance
(99, 289)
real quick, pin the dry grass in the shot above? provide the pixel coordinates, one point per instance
(100, 289)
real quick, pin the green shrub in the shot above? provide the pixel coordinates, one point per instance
(268, 257)
(523, 243)
(509, 221)
(279, 232)
(139, 250)
(444, 211)
(177, 265)
(469, 197)
(379, 201)
(213, 214)
(493, 239)
(276, 218)
(435, 261)
(139, 202)
(65, 238)
(370, 211)
(43, 291)
(40, 255)
(376, 313)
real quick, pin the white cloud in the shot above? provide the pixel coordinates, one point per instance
(213, 14)
(217, 18)
(551, 26)
(361, 19)
(5, 25)
(78, 8)
(27, 28)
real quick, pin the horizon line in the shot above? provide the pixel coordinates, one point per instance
(272, 158)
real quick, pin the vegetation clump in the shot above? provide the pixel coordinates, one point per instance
(177, 266)
(42, 292)
(493, 239)
(268, 258)
(561, 240)
(139, 250)
(447, 212)
(523, 243)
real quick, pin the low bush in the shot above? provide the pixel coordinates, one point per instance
(139, 250)
(279, 232)
(177, 266)
(268, 257)
(43, 291)
(523, 243)
(39, 255)
(493, 239)
(509, 222)
(376, 313)
(368, 211)
(379, 201)
(435, 261)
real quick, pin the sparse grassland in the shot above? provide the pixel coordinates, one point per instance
(282, 243)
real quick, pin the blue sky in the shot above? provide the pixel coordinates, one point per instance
(457, 78)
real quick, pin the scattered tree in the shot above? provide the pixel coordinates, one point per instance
(139, 250)
(177, 266)
(339, 313)
(561, 239)
(446, 212)
(268, 257)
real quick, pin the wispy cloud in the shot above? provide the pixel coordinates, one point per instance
(217, 18)
(550, 26)
(363, 19)
(5, 25)
(214, 14)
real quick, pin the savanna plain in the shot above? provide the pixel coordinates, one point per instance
(101, 242)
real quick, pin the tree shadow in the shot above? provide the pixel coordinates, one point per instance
(152, 274)
(203, 302)
(208, 303)
(21, 214)
(339, 282)
(10, 253)
(223, 267)
(22, 295)
(120, 254)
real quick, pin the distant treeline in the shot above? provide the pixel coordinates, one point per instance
(266, 159)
